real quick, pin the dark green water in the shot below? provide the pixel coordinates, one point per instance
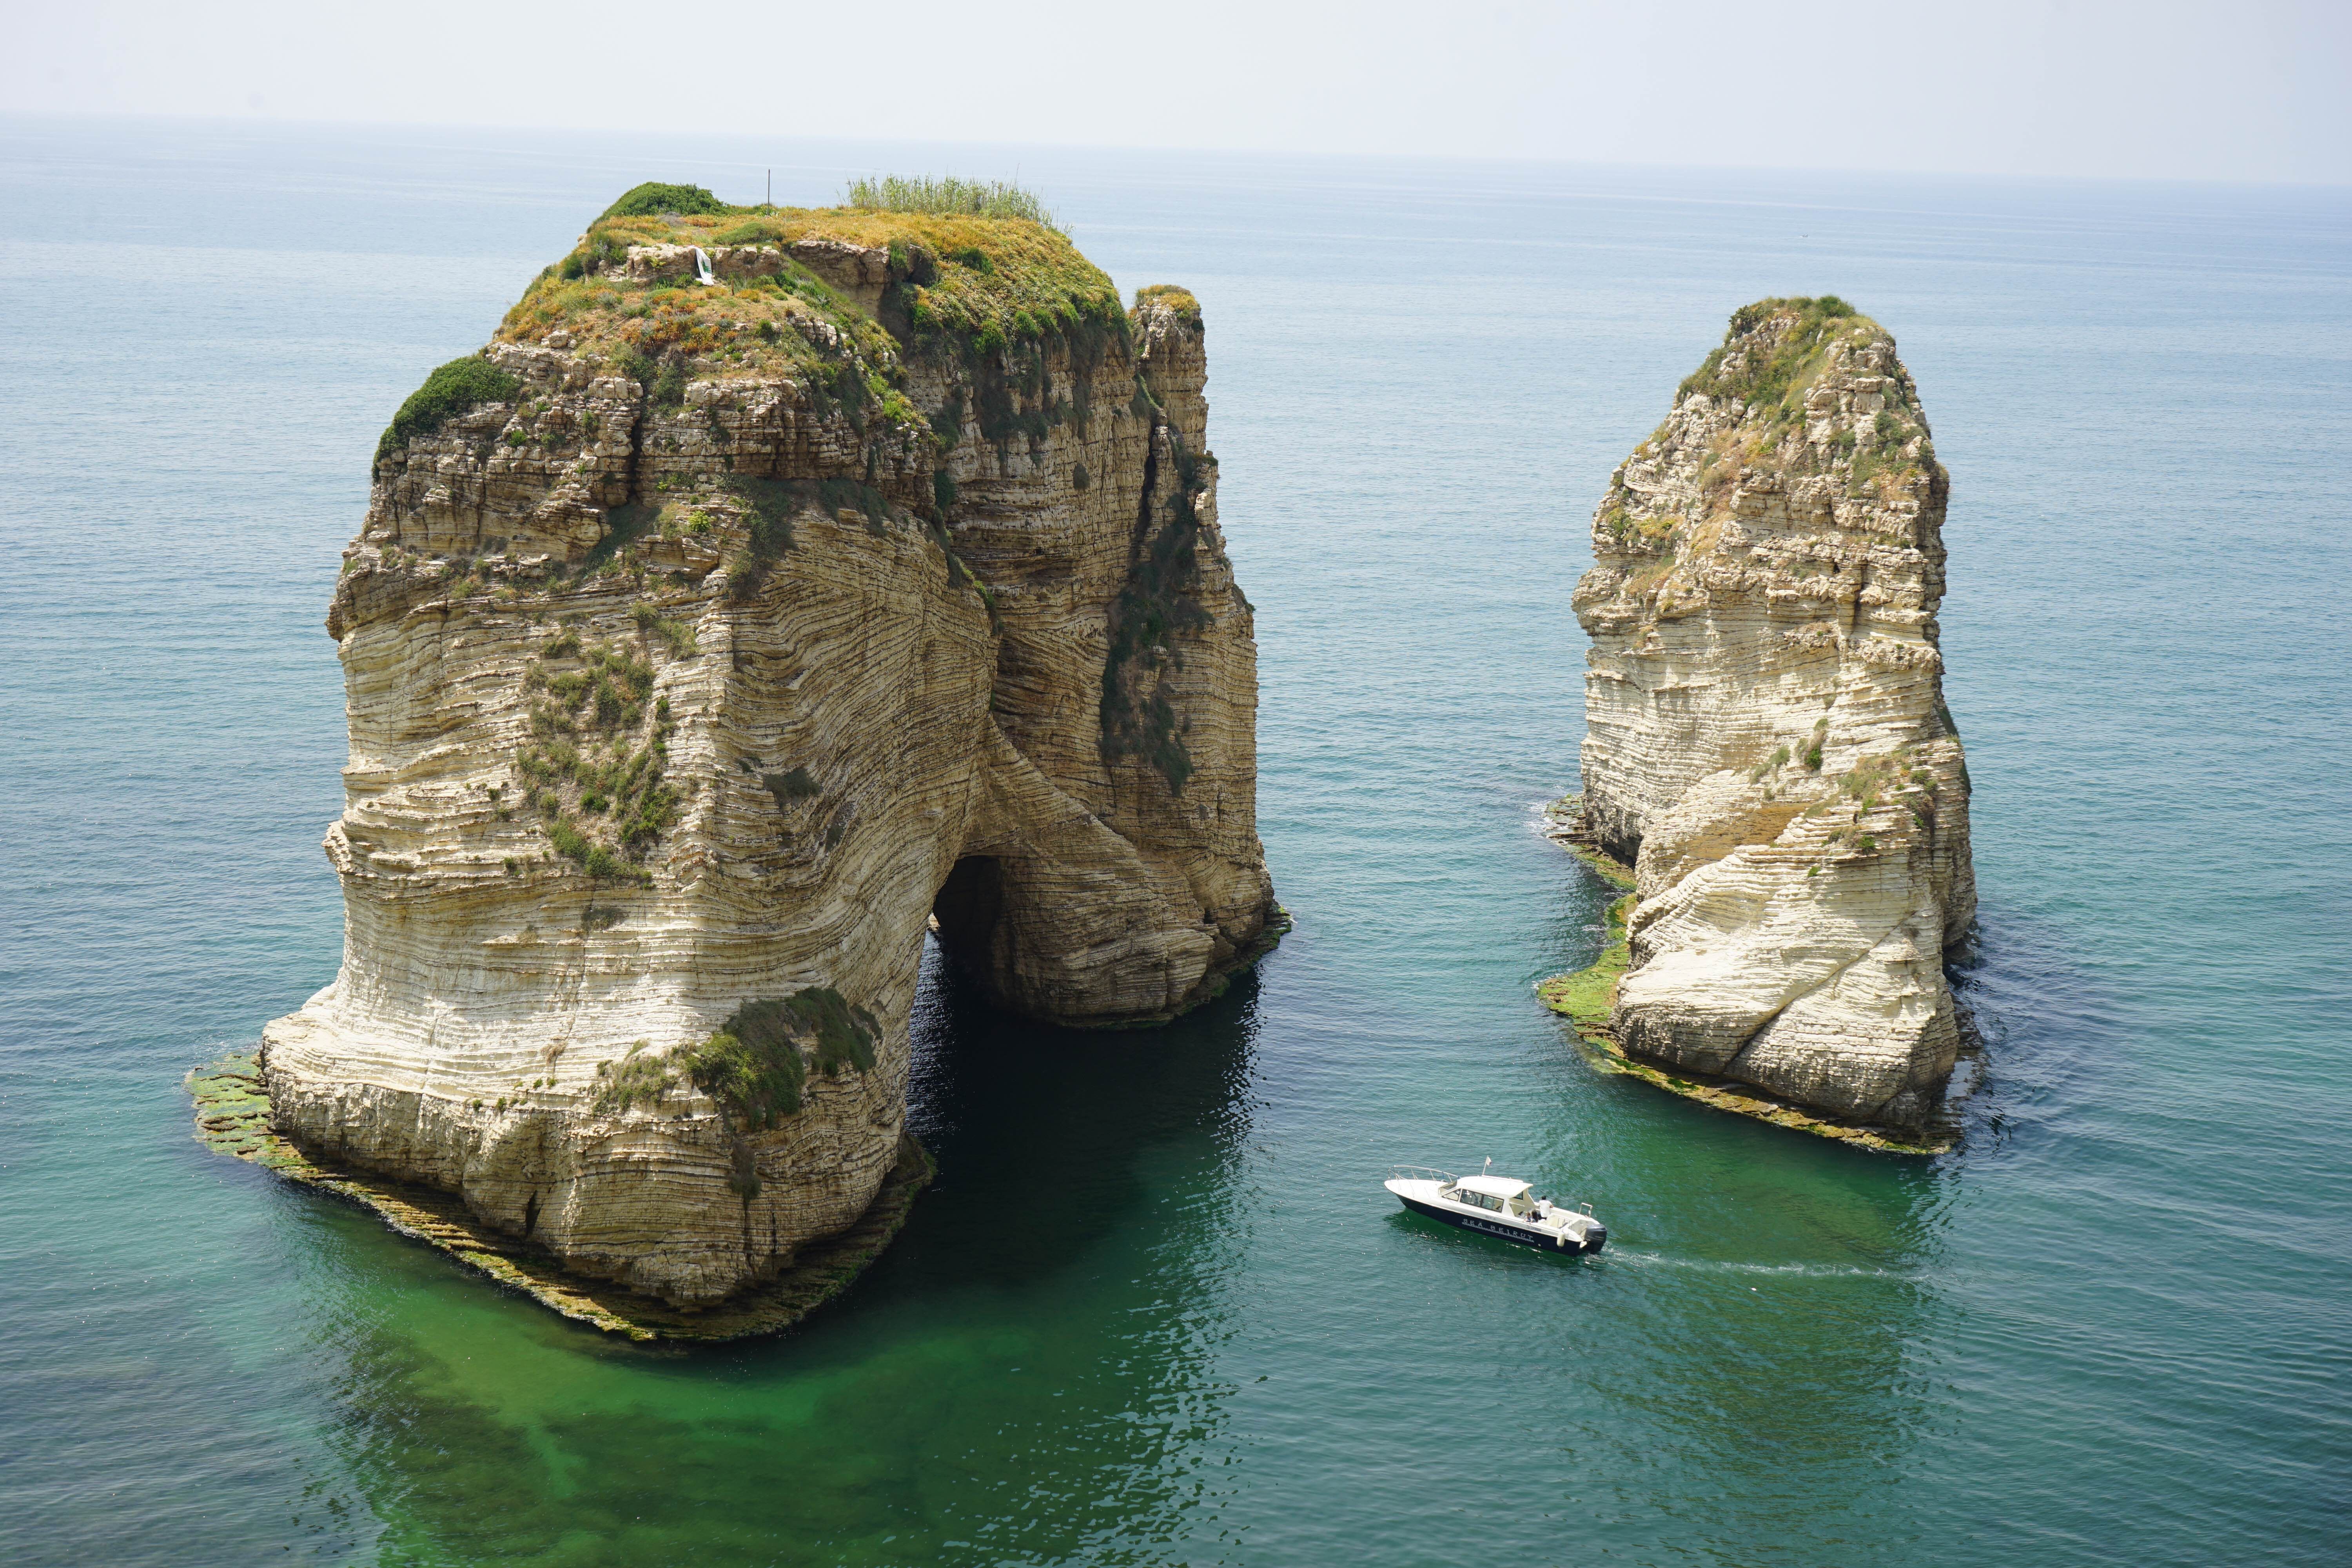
(1157, 1309)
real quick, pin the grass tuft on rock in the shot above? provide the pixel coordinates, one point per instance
(947, 193)
(595, 743)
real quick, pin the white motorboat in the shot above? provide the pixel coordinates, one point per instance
(1498, 1205)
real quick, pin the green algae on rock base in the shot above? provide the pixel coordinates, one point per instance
(1587, 996)
(233, 1117)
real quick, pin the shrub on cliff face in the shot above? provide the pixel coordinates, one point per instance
(789, 787)
(676, 635)
(772, 502)
(603, 703)
(459, 387)
(591, 858)
(668, 388)
(753, 1066)
(632, 1078)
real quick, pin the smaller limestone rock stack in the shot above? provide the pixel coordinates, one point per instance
(1767, 740)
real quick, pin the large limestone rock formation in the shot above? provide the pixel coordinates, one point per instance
(1766, 741)
(702, 643)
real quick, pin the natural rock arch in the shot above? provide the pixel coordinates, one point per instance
(701, 644)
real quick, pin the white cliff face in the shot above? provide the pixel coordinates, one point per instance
(687, 671)
(1766, 741)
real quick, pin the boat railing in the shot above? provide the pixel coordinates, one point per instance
(1421, 1174)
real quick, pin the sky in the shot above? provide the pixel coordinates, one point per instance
(2257, 90)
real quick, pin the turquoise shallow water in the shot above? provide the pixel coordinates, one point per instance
(1157, 1309)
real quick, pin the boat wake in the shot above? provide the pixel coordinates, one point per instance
(1719, 1266)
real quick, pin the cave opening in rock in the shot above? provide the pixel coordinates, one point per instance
(967, 907)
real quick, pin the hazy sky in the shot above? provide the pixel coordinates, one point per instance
(2261, 90)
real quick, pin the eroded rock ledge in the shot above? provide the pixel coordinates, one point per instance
(702, 644)
(1766, 743)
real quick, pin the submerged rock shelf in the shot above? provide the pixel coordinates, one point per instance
(233, 1119)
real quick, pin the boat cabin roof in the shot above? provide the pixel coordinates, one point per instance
(1493, 1186)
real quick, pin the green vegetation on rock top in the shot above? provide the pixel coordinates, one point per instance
(972, 268)
(1775, 348)
(1170, 297)
(968, 273)
(459, 387)
(947, 193)
(653, 197)
(1773, 356)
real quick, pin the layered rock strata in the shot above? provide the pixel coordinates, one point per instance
(702, 644)
(1766, 741)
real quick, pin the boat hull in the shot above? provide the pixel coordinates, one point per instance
(1503, 1230)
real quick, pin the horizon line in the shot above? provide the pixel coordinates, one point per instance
(269, 122)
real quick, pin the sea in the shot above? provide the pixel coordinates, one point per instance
(1157, 1309)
